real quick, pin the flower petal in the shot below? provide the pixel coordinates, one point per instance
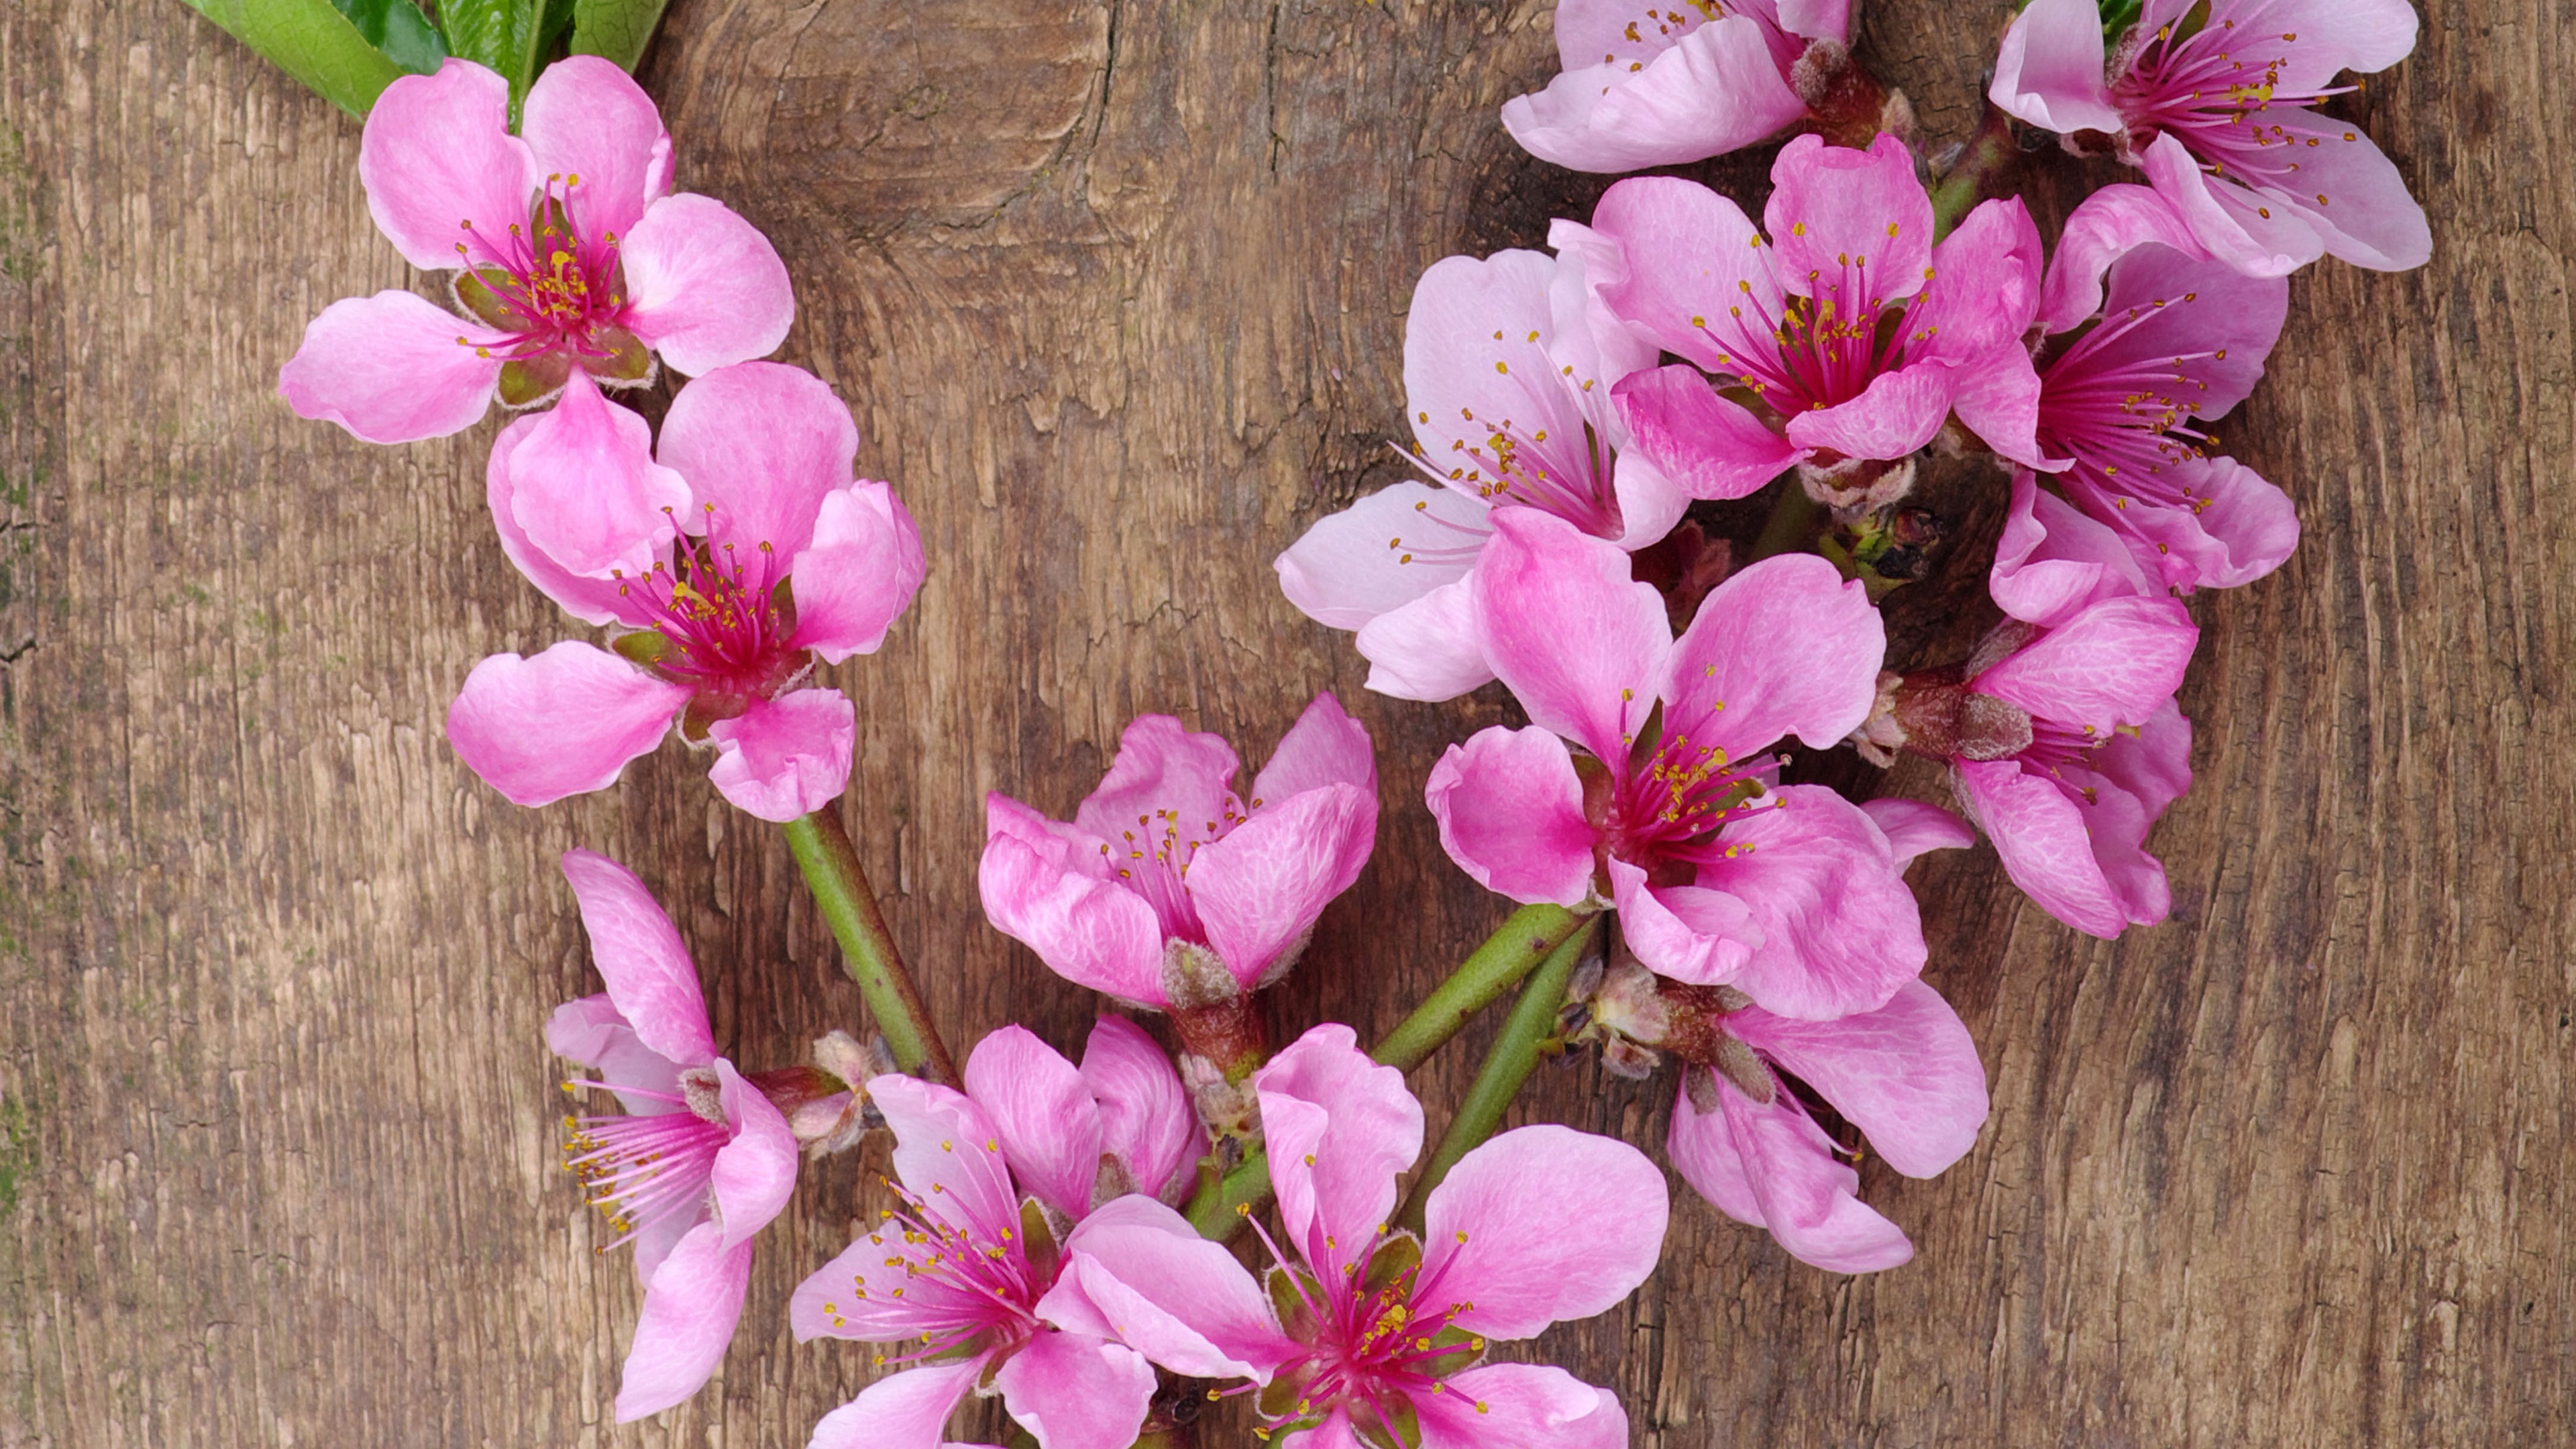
(392, 368)
(640, 955)
(704, 287)
(1987, 290)
(1334, 1433)
(1897, 413)
(1049, 1124)
(2049, 69)
(1521, 1406)
(1839, 932)
(786, 757)
(1708, 446)
(585, 491)
(1340, 1127)
(1906, 1074)
(762, 445)
(1162, 766)
(1324, 747)
(755, 1173)
(1260, 887)
(1690, 255)
(561, 723)
(948, 1155)
(905, 1410)
(438, 151)
(1831, 207)
(1702, 937)
(2225, 218)
(2208, 326)
(1381, 553)
(1717, 89)
(592, 1031)
(2349, 190)
(1542, 1225)
(2110, 665)
(586, 118)
(690, 1309)
(2105, 227)
(1091, 932)
(1784, 646)
(1145, 1117)
(1565, 626)
(1805, 1192)
(1138, 1269)
(1913, 828)
(2038, 830)
(1074, 1391)
(858, 575)
(1996, 396)
(1510, 810)
(1427, 649)
(593, 601)
(2053, 561)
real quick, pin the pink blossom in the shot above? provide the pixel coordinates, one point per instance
(1164, 879)
(1509, 363)
(734, 556)
(2215, 101)
(1640, 87)
(1853, 333)
(571, 256)
(700, 1162)
(1377, 1336)
(2151, 337)
(956, 1279)
(1720, 877)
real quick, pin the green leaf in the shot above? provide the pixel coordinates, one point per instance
(506, 35)
(615, 29)
(311, 41)
(400, 31)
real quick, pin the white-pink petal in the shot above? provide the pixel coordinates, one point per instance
(1074, 1391)
(1324, 747)
(1145, 1117)
(585, 118)
(1906, 1075)
(705, 289)
(1427, 649)
(1340, 1127)
(690, 1309)
(755, 1173)
(585, 491)
(1049, 1125)
(2049, 69)
(1260, 888)
(1510, 810)
(561, 723)
(437, 152)
(392, 368)
(905, 1410)
(640, 955)
(1542, 1225)
(786, 757)
(1565, 626)
(762, 445)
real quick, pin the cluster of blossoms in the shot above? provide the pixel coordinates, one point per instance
(1056, 1233)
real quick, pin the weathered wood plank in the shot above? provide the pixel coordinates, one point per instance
(1116, 292)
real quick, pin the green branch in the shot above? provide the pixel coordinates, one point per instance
(840, 887)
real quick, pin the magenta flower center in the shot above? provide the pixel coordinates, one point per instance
(960, 1291)
(1566, 476)
(1668, 810)
(2123, 410)
(2056, 748)
(555, 289)
(723, 621)
(2210, 88)
(1370, 1350)
(1821, 349)
(640, 1171)
(1153, 860)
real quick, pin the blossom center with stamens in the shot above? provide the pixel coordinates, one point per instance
(643, 1170)
(719, 619)
(1373, 1345)
(2126, 417)
(2212, 87)
(960, 1293)
(1670, 810)
(554, 288)
(1823, 348)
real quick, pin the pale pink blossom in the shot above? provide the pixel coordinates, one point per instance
(1844, 336)
(1376, 1337)
(731, 558)
(2215, 100)
(1641, 85)
(571, 255)
(954, 1282)
(700, 1162)
(1509, 363)
(1166, 886)
(1721, 877)
(2149, 338)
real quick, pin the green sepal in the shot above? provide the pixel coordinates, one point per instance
(1397, 1254)
(1037, 1240)
(475, 294)
(311, 41)
(616, 30)
(533, 379)
(647, 647)
(628, 359)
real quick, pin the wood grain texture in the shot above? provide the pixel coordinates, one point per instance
(1115, 290)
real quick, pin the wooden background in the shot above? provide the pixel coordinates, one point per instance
(1115, 290)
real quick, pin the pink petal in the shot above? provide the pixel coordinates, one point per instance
(1805, 1192)
(1049, 1125)
(1137, 1268)
(585, 117)
(1587, 335)
(762, 444)
(2049, 69)
(903, 1410)
(1906, 1074)
(1986, 290)
(1912, 827)
(438, 151)
(883, 1288)
(948, 1155)
(1565, 626)
(1835, 211)
(2362, 35)
(1897, 413)
(1162, 766)
(1324, 747)
(1996, 396)
(392, 368)
(1716, 90)
(562, 723)
(705, 288)
(1702, 937)
(1340, 1127)
(1501, 1230)
(1145, 1117)
(1650, 503)
(640, 955)
(594, 601)
(1784, 646)
(1510, 810)
(1702, 1149)
(2136, 777)
(592, 1031)
(1074, 1391)
(585, 491)
(1355, 565)
(2210, 324)
(1089, 931)
(2238, 528)
(690, 1309)
(2368, 218)
(1817, 19)
(2225, 219)
(1334, 1433)
(858, 575)
(1707, 445)
(786, 757)
(1260, 888)
(2052, 561)
(1838, 931)
(2108, 225)
(2038, 831)
(2110, 665)
(1688, 252)
(1427, 649)
(1521, 1406)
(755, 1173)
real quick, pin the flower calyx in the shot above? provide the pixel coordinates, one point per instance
(1634, 1016)
(1938, 714)
(1848, 104)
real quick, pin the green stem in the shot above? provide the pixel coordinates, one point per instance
(1792, 524)
(840, 887)
(1224, 1203)
(1507, 1066)
(1978, 173)
(1515, 948)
